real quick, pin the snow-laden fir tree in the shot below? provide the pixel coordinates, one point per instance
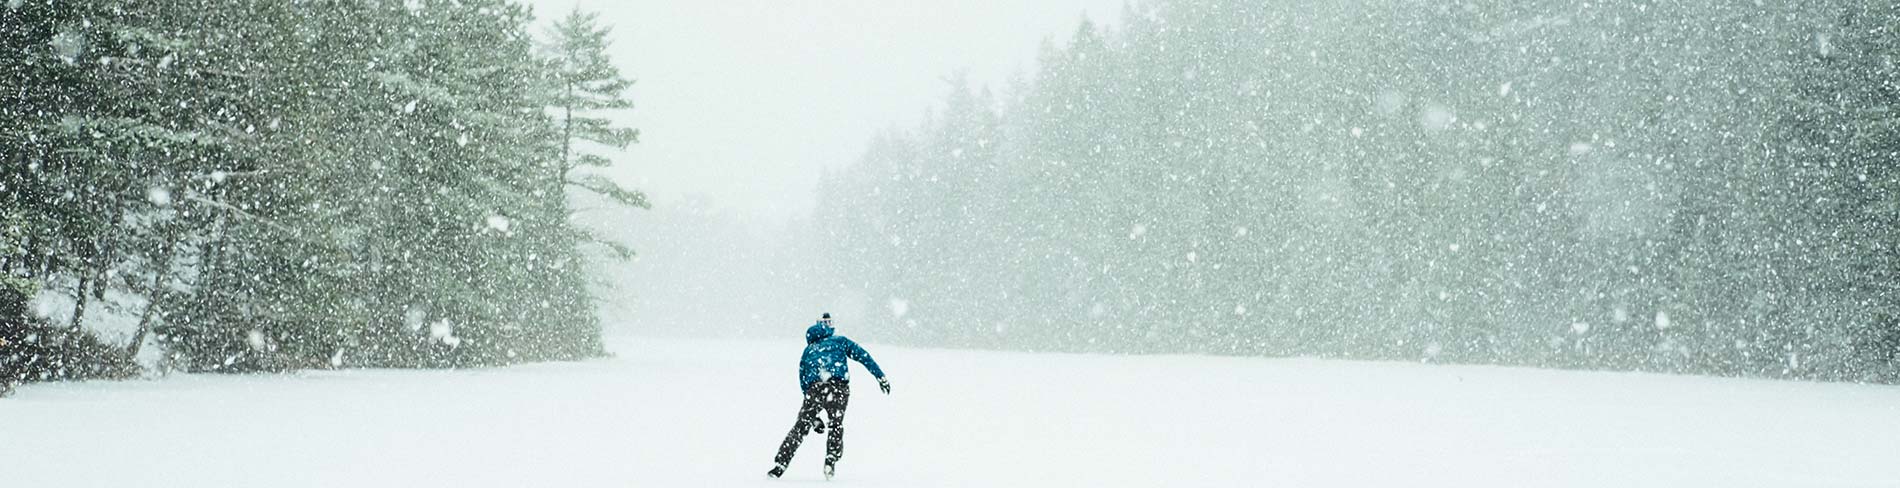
(277, 186)
(589, 93)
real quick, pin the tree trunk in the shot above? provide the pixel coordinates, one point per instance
(72, 331)
(207, 293)
(567, 128)
(214, 266)
(79, 302)
(155, 292)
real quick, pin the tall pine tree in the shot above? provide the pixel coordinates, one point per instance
(588, 84)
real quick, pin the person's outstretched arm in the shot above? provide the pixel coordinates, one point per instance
(857, 353)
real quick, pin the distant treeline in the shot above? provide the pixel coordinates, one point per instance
(1702, 186)
(271, 185)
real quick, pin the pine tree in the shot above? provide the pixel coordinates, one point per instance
(1842, 137)
(587, 84)
(1468, 183)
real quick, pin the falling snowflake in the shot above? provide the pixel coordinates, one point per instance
(1437, 117)
(43, 308)
(444, 331)
(70, 44)
(159, 196)
(414, 318)
(500, 223)
(899, 307)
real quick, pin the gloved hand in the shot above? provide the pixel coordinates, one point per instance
(884, 384)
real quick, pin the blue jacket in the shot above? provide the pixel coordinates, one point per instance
(825, 356)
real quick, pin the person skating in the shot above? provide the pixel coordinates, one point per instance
(823, 375)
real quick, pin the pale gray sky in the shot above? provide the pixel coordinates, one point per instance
(745, 101)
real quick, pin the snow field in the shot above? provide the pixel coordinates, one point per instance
(681, 413)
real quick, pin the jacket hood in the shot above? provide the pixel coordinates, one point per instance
(817, 332)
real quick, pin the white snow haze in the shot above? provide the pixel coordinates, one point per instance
(745, 102)
(1068, 243)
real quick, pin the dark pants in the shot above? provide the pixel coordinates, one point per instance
(831, 397)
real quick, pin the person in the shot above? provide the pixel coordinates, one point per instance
(823, 374)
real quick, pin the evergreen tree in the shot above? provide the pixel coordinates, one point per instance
(1692, 187)
(588, 83)
(274, 186)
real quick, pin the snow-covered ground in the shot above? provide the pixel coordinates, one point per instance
(676, 413)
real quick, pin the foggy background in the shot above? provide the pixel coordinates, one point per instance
(1354, 236)
(1683, 187)
(742, 106)
(745, 102)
